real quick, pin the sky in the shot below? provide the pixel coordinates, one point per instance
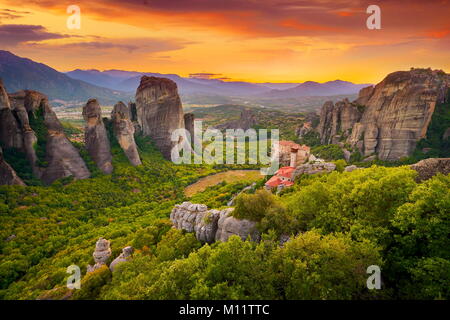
(257, 41)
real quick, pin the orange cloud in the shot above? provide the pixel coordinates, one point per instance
(264, 40)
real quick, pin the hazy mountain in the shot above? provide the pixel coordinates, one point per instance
(20, 73)
(311, 88)
(129, 81)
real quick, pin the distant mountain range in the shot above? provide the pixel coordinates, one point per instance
(110, 86)
(129, 81)
(311, 88)
(20, 73)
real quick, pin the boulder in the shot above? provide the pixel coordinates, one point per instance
(429, 167)
(228, 226)
(123, 257)
(159, 111)
(211, 225)
(96, 138)
(196, 218)
(101, 254)
(313, 168)
(350, 168)
(124, 131)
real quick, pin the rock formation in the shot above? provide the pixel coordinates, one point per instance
(429, 167)
(211, 225)
(124, 131)
(159, 111)
(123, 257)
(101, 254)
(196, 218)
(228, 226)
(62, 157)
(189, 124)
(96, 137)
(387, 119)
(313, 168)
(336, 120)
(15, 130)
(26, 116)
(246, 121)
(7, 174)
(350, 168)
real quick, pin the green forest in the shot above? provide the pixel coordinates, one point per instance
(338, 223)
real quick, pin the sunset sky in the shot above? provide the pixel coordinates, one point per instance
(258, 41)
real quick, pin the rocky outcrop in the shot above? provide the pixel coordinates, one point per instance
(228, 226)
(159, 111)
(124, 131)
(246, 121)
(336, 120)
(15, 130)
(96, 138)
(101, 254)
(7, 174)
(211, 225)
(313, 168)
(63, 159)
(189, 124)
(27, 116)
(350, 168)
(196, 218)
(125, 256)
(10, 131)
(387, 119)
(429, 167)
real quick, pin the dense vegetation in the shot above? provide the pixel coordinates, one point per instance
(339, 224)
(436, 145)
(287, 123)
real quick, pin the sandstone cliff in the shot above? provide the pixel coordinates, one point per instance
(28, 124)
(124, 131)
(246, 121)
(387, 119)
(96, 138)
(15, 130)
(189, 124)
(159, 111)
(7, 174)
(62, 157)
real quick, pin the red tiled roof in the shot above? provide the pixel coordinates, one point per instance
(276, 181)
(285, 172)
(273, 182)
(288, 144)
